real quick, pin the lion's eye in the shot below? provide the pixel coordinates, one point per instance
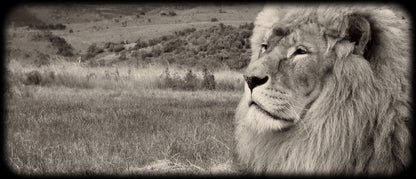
(263, 48)
(300, 51)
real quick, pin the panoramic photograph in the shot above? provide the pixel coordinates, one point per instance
(210, 89)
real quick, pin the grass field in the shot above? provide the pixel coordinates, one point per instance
(71, 118)
(116, 129)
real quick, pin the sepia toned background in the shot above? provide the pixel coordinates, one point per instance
(124, 88)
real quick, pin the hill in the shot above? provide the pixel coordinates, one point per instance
(21, 16)
(215, 47)
(89, 25)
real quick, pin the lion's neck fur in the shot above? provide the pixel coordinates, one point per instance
(336, 136)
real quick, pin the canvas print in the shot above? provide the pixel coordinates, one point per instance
(207, 89)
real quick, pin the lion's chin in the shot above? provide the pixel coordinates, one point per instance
(261, 120)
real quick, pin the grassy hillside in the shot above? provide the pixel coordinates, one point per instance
(220, 46)
(136, 23)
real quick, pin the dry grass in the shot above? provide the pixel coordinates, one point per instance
(116, 127)
(74, 75)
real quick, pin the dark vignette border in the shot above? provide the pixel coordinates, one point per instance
(6, 8)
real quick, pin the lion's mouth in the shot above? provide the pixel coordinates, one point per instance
(261, 109)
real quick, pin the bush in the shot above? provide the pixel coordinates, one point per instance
(48, 26)
(118, 48)
(214, 19)
(248, 26)
(60, 43)
(93, 50)
(238, 63)
(42, 59)
(156, 51)
(33, 78)
(172, 13)
(60, 27)
(173, 44)
(141, 44)
(109, 45)
(122, 57)
(124, 24)
(208, 81)
(190, 81)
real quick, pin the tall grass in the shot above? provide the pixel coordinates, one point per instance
(76, 75)
(109, 120)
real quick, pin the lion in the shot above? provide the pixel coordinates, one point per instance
(327, 91)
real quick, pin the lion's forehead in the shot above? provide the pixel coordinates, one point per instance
(328, 18)
(307, 33)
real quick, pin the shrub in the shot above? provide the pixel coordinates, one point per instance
(248, 26)
(167, 79)
(190, 81)
(48, 26)
(185, 32)
(60, 26)
(237, 44)
(245, 34)
(109, 45)
(146, 54)
(122, 57)
(172, 13)
(140, 44)
(238, 63)
(173, 44)
(156, 51)
(214, 19)
(42, 59)
(124, 24)
(118, 48)
(60, 43)
(154, 41)
(208, 81)
(166, 37)
(93, 50)
(33, 78)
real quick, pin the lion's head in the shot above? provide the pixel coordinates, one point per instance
(327, 91)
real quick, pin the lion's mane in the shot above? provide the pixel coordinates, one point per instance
(360, 123)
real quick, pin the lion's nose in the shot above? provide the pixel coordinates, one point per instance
(253, 81)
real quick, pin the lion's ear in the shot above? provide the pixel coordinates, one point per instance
(357, 30)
